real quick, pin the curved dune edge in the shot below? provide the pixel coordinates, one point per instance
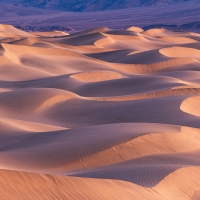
(71, 145)
(180, 52)
(172, 64)
(178, 40)
(148, 144)
(39, 186)
(27, 41)
(50, 34)
(191, 106)
(38, 50)
(21, 125)
(27, 100)
(157, 94)
(36, 43)
(119, 42)
(188, 85)
(155, 31)
(96, 76)
(135, 29)
(20, 72)
(104, 41)
(4, 90)
(6, 28)
(57, 99)
(83, 49)
(97, 30)
(125, 37)
(13, 52)
(177, 185)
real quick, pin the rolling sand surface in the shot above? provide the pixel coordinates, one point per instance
(101, 114)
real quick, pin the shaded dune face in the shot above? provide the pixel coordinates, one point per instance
(101, 114)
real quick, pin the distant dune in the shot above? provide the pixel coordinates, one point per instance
(100, 114)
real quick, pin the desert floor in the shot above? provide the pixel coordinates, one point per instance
(101, 114)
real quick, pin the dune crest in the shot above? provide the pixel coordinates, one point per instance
(191, 105)
(60, 187)
(10, 31)
(97, 76)
(100, 114)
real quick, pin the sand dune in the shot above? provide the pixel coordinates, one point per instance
(10, 31)
(135, 29)
(58, 187)
(50, 34)
(179, 40)
(180, 52)
(26, 126)
(100, 114)
(97, 76)
(191, 106)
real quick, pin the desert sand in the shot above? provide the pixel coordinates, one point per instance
(100, 114)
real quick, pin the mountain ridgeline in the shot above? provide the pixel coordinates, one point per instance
(94, 5)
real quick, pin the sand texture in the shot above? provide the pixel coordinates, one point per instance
(101, 114)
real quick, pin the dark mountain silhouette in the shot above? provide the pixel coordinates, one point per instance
(94, 5)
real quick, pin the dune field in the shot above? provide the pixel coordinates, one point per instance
(101, 114)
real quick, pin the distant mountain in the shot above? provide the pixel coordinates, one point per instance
(183, 16)
(193, 26)
(93, 5)
(46, 28)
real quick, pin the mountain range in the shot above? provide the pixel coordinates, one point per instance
(169, 14)
(93, 5)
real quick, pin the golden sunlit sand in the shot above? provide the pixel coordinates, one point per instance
(100, 114)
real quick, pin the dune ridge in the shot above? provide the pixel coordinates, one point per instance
(73, 188)
(100, 114)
